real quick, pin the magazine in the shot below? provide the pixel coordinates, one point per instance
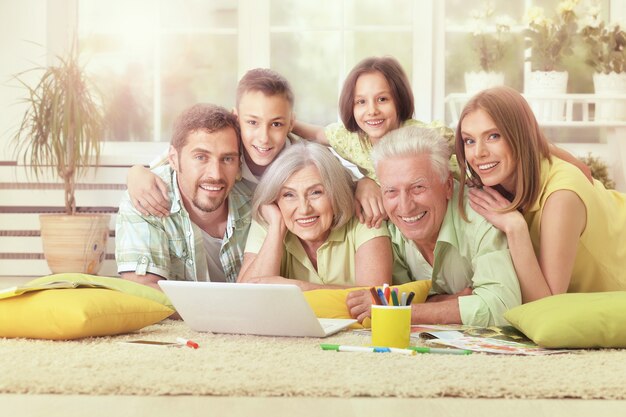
(501, 340)
(505, 340)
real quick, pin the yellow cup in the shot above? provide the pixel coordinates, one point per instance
(391, 326)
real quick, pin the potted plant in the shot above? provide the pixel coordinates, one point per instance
(599, 170)
(490, 39)
(606, 55)
(550, 40)
(60, 130)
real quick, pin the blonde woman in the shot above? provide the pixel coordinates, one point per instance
(565, 234)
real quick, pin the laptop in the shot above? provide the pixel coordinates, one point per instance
(259, 309)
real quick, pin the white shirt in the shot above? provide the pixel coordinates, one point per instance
(212, 247)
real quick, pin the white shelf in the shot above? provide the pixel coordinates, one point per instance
(575, 111)
(578, 109)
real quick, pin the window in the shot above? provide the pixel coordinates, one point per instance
(315, 44)
(154, 58)
(461, 58)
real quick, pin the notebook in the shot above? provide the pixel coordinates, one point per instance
(259, 309)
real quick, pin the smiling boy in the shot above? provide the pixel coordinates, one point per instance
(264, 109)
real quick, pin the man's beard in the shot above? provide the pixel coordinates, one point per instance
(210, 204)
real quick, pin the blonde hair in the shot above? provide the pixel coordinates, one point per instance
(517, 125)
(415, 141)
(335, 179)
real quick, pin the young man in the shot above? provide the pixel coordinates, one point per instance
(264, 108)
(204, 235)
(473, 277)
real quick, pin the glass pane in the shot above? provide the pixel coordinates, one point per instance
(198, 68)
(305, 13)
(310, 62)
(460, 59)
(117, 43)
(376, 12)
(134, 18)
(360, 45)
(124, 75)
(459, 12)
(190, 14)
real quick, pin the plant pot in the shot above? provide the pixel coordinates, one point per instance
(481, 80)
(74, 243)
(608, 84)
(547, 83)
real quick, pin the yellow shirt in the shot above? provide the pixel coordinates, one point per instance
(335, 258)
(600, 263)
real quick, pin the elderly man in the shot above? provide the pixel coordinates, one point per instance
(473, 277)
(204, 236)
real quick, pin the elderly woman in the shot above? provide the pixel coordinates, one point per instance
(304, 231)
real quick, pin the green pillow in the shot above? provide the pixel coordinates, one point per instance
(119, 284)
(575, 320)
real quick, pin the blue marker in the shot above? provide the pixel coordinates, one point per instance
(381, 295)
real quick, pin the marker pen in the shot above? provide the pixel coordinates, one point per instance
(186, 342)
(375, 349)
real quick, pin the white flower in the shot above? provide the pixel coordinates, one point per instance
(536, 16)
(591, 21)
(504, 23)
(567, 6)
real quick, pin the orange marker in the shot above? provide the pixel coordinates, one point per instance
(375, 298)
(186, 342)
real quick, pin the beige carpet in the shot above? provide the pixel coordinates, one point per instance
(229, 365)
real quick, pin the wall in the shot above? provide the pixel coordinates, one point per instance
(22, 46)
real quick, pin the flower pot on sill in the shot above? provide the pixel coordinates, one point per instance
(547, 83)
(607, 84)
(481, 80)
(74, 243)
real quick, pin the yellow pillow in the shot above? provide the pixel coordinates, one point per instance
(575, 320)
(332, 303)
(74, 313)
(119, 284)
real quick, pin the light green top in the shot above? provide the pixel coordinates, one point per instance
(600, 263)
(473, 254)
(359, 152)
(335, 258)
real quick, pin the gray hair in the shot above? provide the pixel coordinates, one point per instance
(335, 179)
(414, 141)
